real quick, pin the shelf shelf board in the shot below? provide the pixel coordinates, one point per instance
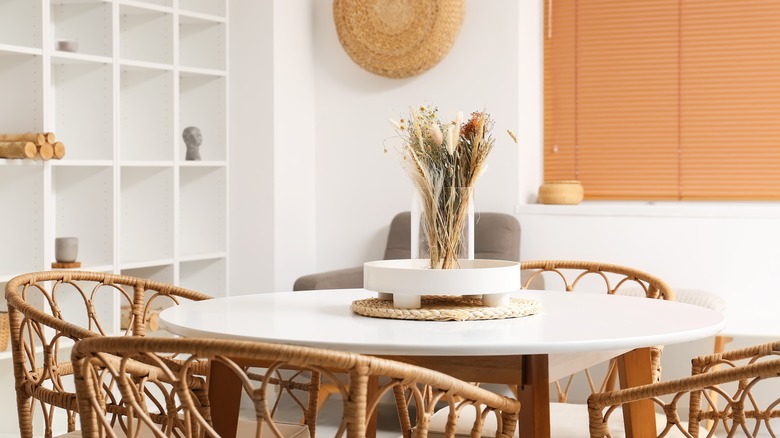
(194, 71)
(97, 268)
(143, 7)
(201, 257)
(147, 264)
(208, 163)
(60, 57)
(19, 162)
(81, 163)
(129, 64)
(76, 2)
(10, 49)
(146, 163)
(198, 17)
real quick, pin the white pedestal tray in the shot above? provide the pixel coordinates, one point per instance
(405, 281)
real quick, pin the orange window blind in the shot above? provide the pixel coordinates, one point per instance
(664, 99)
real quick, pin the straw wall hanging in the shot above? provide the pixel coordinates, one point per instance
(400, 38)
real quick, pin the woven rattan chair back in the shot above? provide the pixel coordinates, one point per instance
(745, 380)
(594, 277)
(50, 310)
(133, 366)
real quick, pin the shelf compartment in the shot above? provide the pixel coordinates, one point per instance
(146, 214)
(21, 191)
(202, 103)
(145, 35)
(202, 210)
(20, 23)
(209, 7)
(162, 273)
(146, 116)
(7, 49)
(87, 23)
(207, 276)
(22, 88)
(84, 209)
(201, 43)
(83, 109)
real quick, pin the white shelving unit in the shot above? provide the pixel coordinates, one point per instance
(143, 71)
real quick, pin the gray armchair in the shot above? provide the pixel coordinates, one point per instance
(496, 236)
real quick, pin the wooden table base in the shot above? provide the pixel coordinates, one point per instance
(634, 370)
(534, 396)
(529, 373)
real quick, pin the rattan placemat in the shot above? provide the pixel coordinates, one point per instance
(446, 308)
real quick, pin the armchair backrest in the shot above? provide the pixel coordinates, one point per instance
(134, 367)
(595, 277)
(48, 311)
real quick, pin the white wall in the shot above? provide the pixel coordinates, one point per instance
(251, 258)
(354, 189)
(295, 143)
(273, 144)
(732, 250)
(315, 191)
(360, 188)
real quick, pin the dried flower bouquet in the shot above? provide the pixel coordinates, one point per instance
(444, 160)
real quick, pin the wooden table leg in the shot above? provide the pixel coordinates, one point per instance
(635, 369)
(373, 389)
(225, 399)
(534, 396)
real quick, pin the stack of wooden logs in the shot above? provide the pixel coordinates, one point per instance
(31, 145)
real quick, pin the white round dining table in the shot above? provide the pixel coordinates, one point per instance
(568, 322)
(513, 350)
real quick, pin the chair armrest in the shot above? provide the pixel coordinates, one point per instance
(349, 278)
(601, 406)
(709, 362)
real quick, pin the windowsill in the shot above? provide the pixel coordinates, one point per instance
(687, 209)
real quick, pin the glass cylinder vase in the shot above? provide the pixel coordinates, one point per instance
(442, 226)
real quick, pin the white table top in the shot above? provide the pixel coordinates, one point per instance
(569, 322)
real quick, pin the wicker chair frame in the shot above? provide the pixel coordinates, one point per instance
(50, 310)
(721, 389)
(611, 279)
(133, 366)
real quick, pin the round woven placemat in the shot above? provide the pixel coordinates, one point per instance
(398, 38)
(446, 308)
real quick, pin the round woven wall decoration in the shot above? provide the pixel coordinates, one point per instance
(397, 38)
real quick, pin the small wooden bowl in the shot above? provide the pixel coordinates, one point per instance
(561, 192)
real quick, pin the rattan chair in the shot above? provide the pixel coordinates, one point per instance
(155, 394)
(567, 418)
(586, 276)
(49, 311)
(745, 380)
(587, 370)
